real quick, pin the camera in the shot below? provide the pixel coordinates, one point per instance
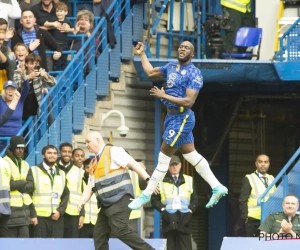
(37, 67)
(212, 28)
(123, 130)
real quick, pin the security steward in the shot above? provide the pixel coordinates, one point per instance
(19, 220)
(253, 186)
(176, 202)
(90, 208)
(50, 196)
(5, 174)
(239, 14)
(73, 220)
(286, 223)
(110, 181)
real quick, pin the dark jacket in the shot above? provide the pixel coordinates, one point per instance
(180, 221)
(19, 215)
(244, 196)
(46, 40)
(63, 199)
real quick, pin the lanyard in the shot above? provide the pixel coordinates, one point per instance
(100, 154)
(174, 184)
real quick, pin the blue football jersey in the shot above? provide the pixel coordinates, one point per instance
(179, 78)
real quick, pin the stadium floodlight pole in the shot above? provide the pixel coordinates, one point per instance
(123, 129)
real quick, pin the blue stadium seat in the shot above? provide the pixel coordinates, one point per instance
(246, 37)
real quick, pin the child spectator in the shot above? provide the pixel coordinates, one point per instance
(38, 79)
(60, 32)
(21, 51)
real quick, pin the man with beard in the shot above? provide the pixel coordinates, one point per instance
(253, 186)
(184, 82)
(19, 220)
(50, 196)
(73, 220)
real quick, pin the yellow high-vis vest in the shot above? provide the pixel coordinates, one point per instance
(239, 5)
(74, 184)
(184, 191)
(257, 190)
(18, 199)
(45, 187)
(135, 214)
(5, 174)
(91, 210)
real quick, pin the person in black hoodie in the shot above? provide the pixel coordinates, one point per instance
(35, 38)
(177, 201)
(19, 220)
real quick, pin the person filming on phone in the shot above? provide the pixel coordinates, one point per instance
(38, 79)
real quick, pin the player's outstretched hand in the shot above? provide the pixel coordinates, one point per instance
(159, 93)
(140, 48)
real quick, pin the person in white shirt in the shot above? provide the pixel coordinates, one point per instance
(110, 181)
(10, 10)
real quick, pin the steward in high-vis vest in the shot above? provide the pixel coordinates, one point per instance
(20, 188)
(238, 14)
(110, 181)
(177, 201)
(5, 211)
(73, 220)
(50, 196)
(91, 209)
(253, 186)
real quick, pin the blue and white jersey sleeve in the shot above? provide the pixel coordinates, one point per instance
(195, 79)
(164, 69)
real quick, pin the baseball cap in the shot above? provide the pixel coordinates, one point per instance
(10, 83)
(175, 159)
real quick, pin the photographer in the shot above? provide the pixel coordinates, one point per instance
(38, 79)
(239, 13)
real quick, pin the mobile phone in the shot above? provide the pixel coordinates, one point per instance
(134, 43)
(37, 67)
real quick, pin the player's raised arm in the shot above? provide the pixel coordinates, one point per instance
(149, 70)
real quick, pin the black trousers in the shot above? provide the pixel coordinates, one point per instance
(71, 226)
(19, 232)
(48, 228)
(86, 231)
(3, 226)
(176, 238)
(115, 218)
(237, 20)
(251, 227)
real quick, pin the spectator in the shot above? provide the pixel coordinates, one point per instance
(14, 124)
(84, 24)
(239, 14)
(21, 51)
(286, 222)
(253, 186)
(3, 58)
(27, 4)
(177, 202)
(60, 32)
(10, 109)
(67, 2)
(35, 39)
(43, 11)
(50, 196)
(38, 79)
(90, 208)
(5, 49)
(19, 220)
(10, 10)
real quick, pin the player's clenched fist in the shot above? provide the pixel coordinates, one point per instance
(140, 48)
